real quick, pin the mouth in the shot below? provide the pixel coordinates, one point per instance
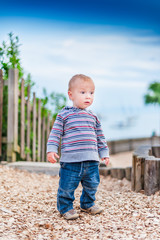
(87, 102)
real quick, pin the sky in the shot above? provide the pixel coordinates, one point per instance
(116, 43)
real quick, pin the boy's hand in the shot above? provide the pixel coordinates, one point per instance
(106, 159)
(51, 157)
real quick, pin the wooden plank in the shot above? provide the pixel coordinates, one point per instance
(114, 172)
(1, 108)
(22, 146)
(128, 173)
(16, 90)
(34, 129)
(5, 83)
(39, 131)
(43, 139)
(28, 122)
(133, 173)
(12, 122)
(139, 177)
(120, 173)
(104, 171)
(48, 125)
(18, 149)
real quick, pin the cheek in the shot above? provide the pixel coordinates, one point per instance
(81, 97)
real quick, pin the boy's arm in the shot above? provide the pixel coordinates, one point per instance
(101, 141)
(55, 135)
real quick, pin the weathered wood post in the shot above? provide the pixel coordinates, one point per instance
(12, 124)
(1, 108)
(34, 129)
(28, 122)
(22, 145)
(146, 169)
(138, 166)
(43, 139)
(151, 175)
(39, 130)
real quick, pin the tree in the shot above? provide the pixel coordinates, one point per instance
(9, 56)
(153, 95)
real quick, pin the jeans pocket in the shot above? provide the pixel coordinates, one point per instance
(62, 164)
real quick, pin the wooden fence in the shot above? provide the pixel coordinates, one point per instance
(23, 121)
(26, 114)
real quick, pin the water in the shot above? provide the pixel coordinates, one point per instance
(136, 124)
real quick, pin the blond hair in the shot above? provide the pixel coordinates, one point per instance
(78, 77)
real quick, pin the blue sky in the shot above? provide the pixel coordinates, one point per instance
(117, 43)
(135, 14)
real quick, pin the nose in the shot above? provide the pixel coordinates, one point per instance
(88, 96)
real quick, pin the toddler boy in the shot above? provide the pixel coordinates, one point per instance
(82, 143)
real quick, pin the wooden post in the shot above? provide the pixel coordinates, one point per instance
(151, 175)
(128, 173)
(48, 126)
(1, 108)
(139, 174)
(34, 128)
(12, 125)
(39, 131)
(156, 151)
(146, 169)
(118, 173)
(28, 122)
(43, 139)
(138, 168)
(133, 173)
(22, 146)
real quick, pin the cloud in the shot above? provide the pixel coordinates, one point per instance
(108, 58)
(114, 60)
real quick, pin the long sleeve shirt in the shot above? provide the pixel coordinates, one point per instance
(81, 136)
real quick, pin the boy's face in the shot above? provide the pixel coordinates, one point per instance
(82, 94)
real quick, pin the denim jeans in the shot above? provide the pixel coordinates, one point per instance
(71, 174)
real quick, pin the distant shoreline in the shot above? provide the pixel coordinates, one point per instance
(130, 144)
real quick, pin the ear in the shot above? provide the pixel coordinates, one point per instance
(70, 95)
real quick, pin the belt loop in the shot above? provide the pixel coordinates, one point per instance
(81, 169)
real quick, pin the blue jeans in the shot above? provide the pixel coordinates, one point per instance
(70, 175)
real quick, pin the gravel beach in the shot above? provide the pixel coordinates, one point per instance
(28, 210)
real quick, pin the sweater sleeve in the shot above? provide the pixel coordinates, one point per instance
(55, 135)
(101, 141)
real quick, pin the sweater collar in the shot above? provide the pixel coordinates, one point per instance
(74, 109)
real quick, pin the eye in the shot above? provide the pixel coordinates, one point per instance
(82, 92)
(92, 93)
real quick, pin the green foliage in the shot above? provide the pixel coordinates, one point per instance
(9, 55)
(10, 58)
(153, 95)
(28, 82)
(56, 100)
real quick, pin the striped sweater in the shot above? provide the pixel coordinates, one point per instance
(81, 136)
